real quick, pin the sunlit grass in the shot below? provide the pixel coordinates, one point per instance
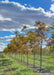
(13, 67)
(47, 62)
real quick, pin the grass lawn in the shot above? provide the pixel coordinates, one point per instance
(47, 63)
(9, 66)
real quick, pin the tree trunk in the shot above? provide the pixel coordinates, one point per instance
(34, 59)
(21, 57)
(41, 57)
(27, 58)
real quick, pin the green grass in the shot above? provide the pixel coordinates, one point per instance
(45, 64)
(9, 66)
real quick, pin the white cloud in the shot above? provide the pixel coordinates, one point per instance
(6, 1)
(43, 46)
(8, 39)
(2, 46)
(25, 4)
(8, 29)
(49, 14)
(52, 0)
(3, 19)
(19, 15)
(1, 49)
(52, 7)
(29, 27)
(13, 30)
(5, 39)
(15, 3)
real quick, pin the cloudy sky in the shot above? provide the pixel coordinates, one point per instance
(16, 13)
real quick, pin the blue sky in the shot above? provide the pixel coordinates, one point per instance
(46, 4)
(14, 14)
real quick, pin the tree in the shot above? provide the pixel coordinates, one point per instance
(52, 26)
(51, 39)
(16, 34)
(24, 28)
(40, 29)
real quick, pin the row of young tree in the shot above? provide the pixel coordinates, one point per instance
(33, 39)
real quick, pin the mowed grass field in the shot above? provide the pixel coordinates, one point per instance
(9, 66)
(47, 61)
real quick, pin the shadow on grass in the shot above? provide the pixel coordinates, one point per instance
(25, 70)
(11, 69)
(5, 63)
(1, 56)
(50, 68)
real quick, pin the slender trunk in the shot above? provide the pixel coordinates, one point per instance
(27, 58)
(34, 59)
(21, 57)
(41, 57)
(50, 50)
